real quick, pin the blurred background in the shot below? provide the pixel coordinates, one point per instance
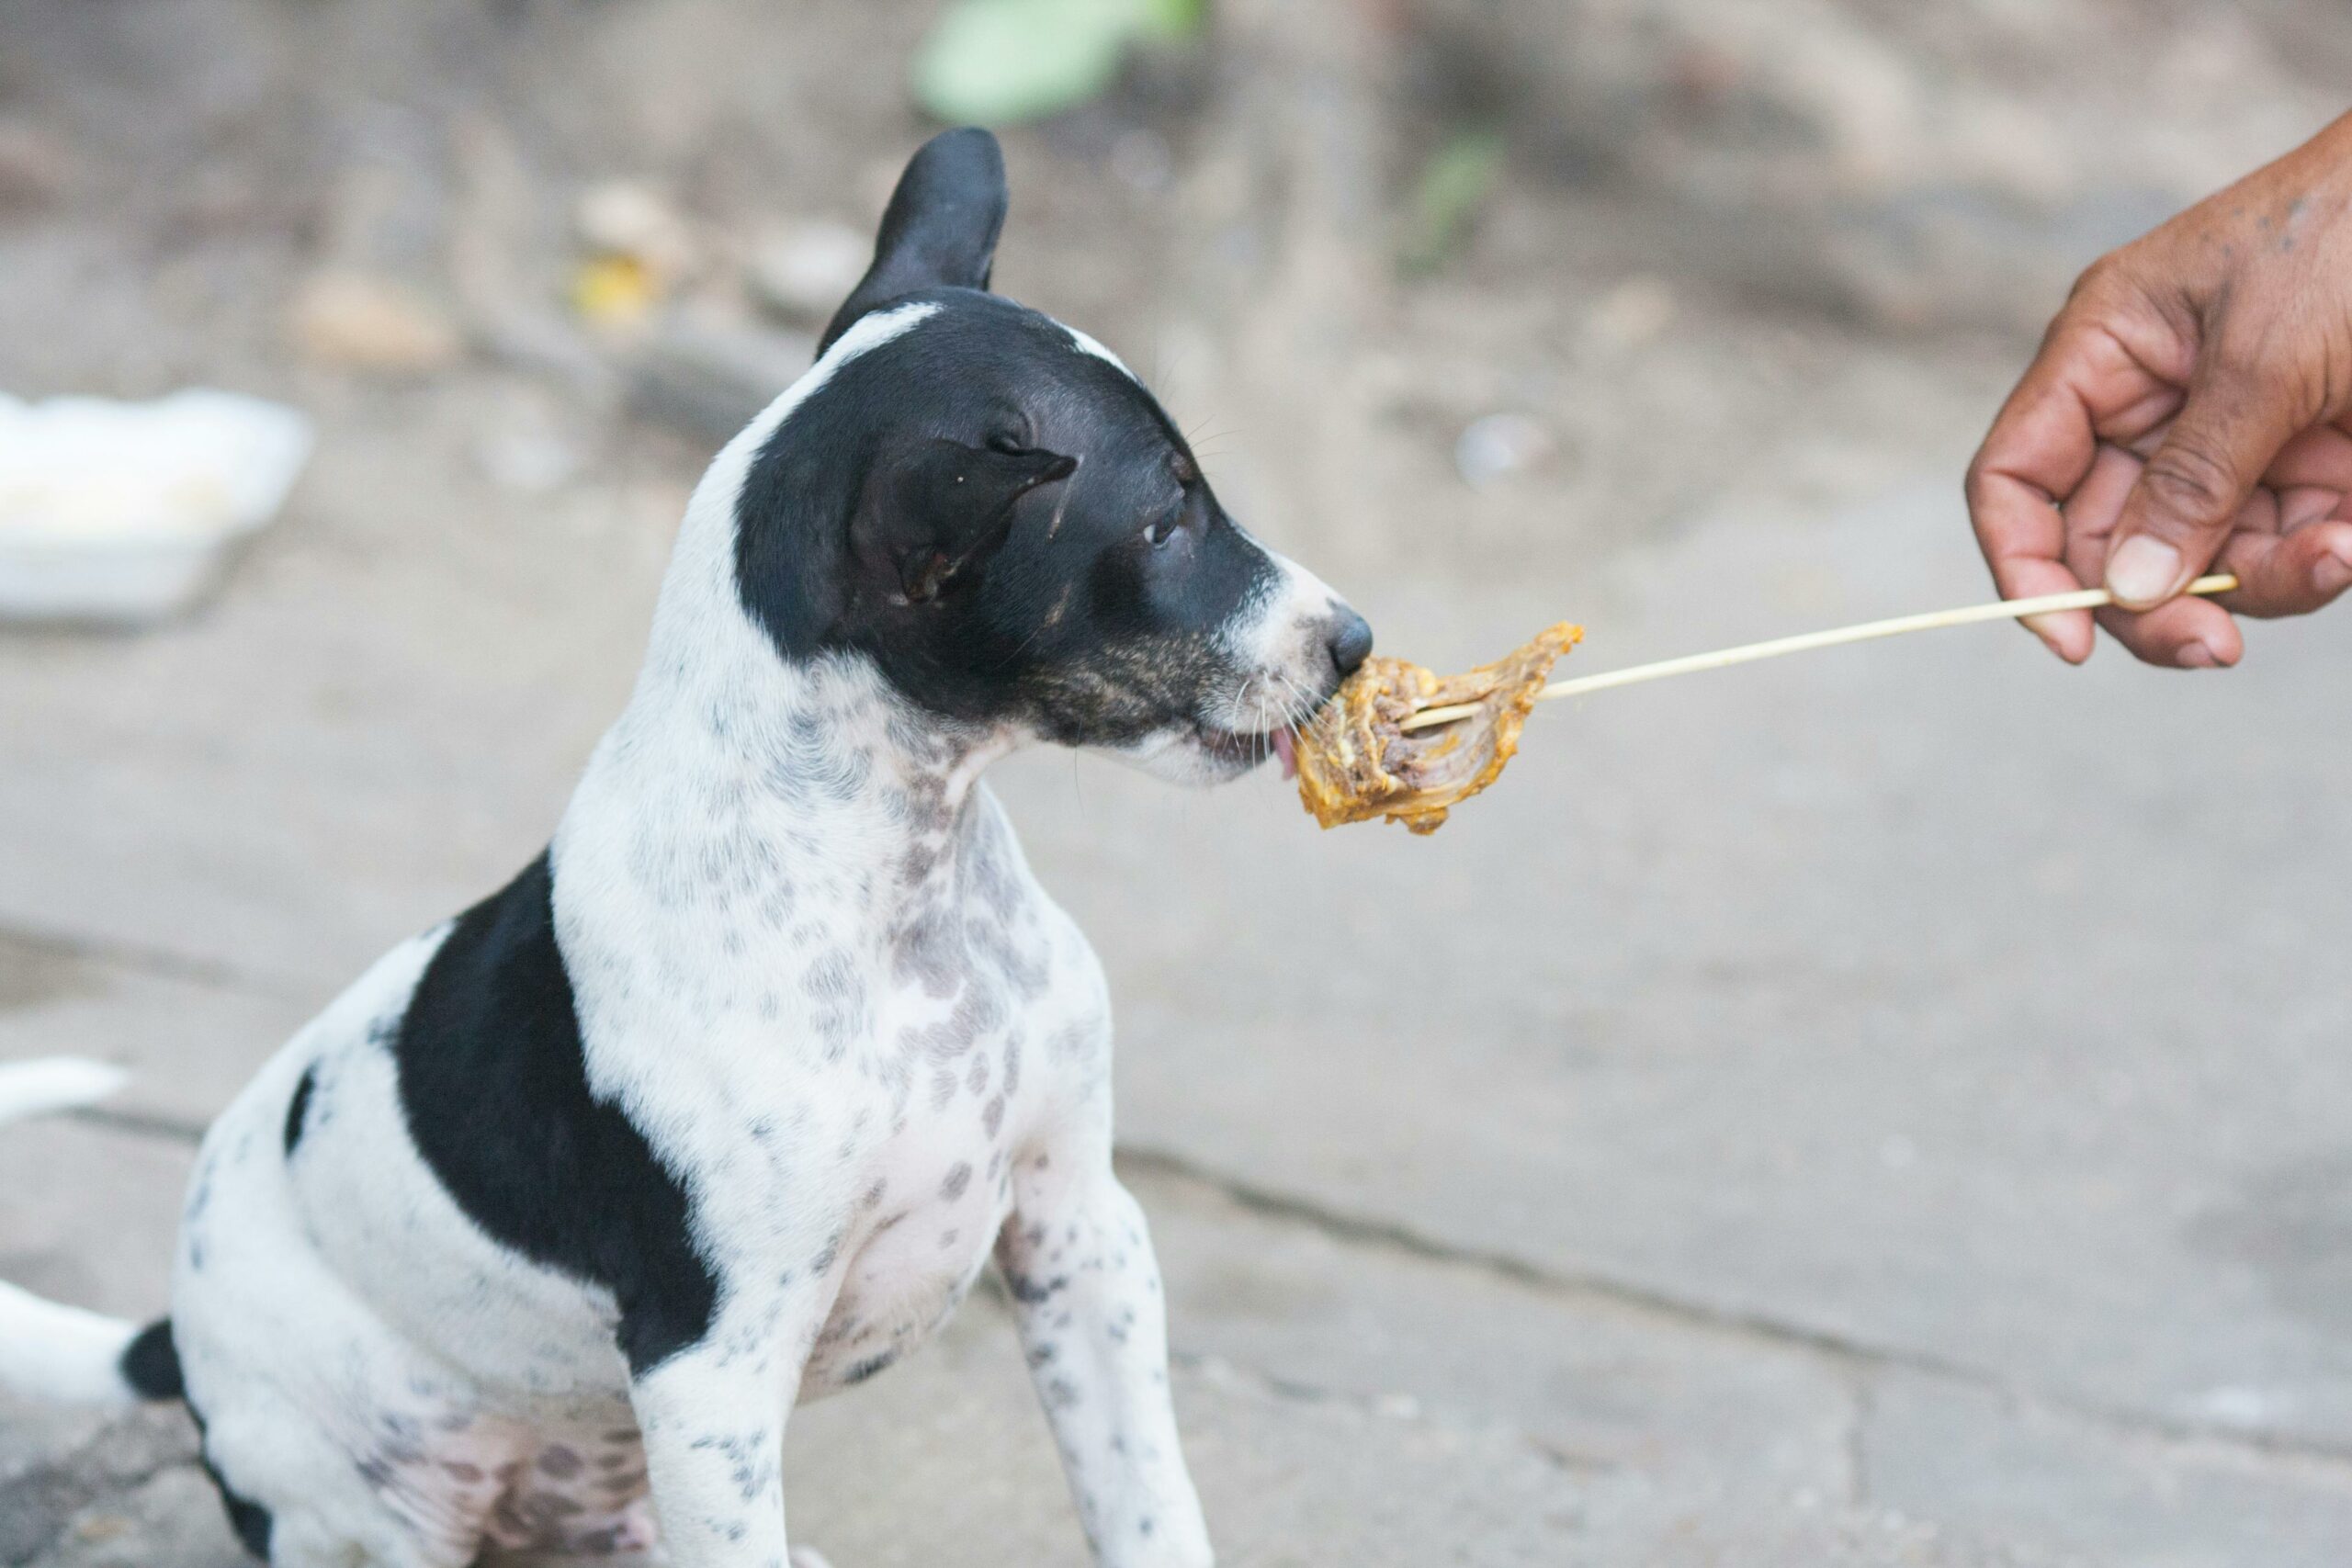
(1887, 1108)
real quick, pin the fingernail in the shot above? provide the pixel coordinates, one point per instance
(2197, 656)
(2142, 569)
(2332, 575)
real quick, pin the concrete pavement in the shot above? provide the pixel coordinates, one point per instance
(1881, 1107)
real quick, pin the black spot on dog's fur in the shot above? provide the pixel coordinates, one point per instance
(496, 1095)
(248, 1520)
(299, 1105)
(150, 1363)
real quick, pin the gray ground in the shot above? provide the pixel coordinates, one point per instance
(1881, 1108)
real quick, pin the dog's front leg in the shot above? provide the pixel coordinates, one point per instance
(712, 1419)
(1077, 1259)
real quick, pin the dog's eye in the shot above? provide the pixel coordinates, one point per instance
(1158, 533)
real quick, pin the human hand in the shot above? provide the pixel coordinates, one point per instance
(2190, 408)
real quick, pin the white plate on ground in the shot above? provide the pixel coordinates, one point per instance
(121, 512)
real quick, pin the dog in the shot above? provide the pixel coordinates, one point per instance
(534, 1238)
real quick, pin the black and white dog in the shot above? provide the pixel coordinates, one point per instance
(535, 1236)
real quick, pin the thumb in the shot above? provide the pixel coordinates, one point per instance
(2182, 508)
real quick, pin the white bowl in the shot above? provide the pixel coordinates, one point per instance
(124, 513)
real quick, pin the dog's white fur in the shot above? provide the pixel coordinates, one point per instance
(751, 961)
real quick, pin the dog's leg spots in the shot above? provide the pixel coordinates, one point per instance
(714, 1442)
(581, 1494)
(1078, 1260)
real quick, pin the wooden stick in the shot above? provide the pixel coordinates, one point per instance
(1690, 664)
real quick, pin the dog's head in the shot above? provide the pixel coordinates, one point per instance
(991, 509)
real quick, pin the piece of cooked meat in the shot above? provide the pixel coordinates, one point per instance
(1355, 762)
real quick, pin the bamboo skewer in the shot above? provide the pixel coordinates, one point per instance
(1690, 664)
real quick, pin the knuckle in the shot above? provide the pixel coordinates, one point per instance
(1989, 506)
(2093, 280)
(2120, 295)
(1978, 481)
(2077, 314)
(2101, 286)
(2189, 480)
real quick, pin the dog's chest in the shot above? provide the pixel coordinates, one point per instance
(847, 1089)
(920, 1243)
(990, 1023)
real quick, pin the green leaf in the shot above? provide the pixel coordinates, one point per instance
(1455, 184)
(1002, 62)
(1172, 21)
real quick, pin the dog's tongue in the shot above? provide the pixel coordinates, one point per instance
(1286, 747)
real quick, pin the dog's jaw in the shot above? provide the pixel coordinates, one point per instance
(1278, 644)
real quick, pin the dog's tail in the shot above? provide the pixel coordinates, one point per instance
(63, 1353)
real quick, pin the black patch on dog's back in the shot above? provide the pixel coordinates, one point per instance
(496, 1095)
(297, 1108)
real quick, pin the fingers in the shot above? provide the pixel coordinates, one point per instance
(2184, 634)
(2187, 634)
(2293, 572)
(2289, 574)
(2180, 512)
(2085, 383)
(2067, 633)
(2039, 446)
(2319, 458)
(2084, 523)
(2302, 505)
(2022, 537)
(2207, 351)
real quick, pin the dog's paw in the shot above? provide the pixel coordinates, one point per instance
(809, 1557)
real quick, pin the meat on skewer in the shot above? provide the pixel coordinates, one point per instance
(1356, 761)
(1400, 742)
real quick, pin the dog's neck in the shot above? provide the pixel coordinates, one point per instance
(831, 769)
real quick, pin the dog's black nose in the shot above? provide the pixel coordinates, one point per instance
(1351, 641)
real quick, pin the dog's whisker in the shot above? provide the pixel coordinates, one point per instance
(1022, 647)
(1061, 503)
(1297, 706)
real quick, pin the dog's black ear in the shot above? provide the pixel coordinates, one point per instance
(933, 513)
(940, 230)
